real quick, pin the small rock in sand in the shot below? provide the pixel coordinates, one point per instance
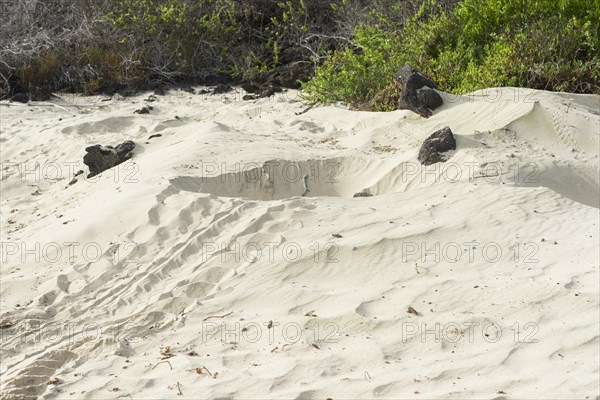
(439, 142)
(412, 311)
(100, 158)
(222, 89)
(418, 92)
(144, 110)
(20, 98)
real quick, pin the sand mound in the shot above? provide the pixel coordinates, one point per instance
(202, 268)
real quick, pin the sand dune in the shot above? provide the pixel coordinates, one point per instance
(202, 268)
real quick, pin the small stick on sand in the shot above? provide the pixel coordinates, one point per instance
(162, 362)
(485, 176)
(199, 370)
(179, 389)
(417, 268)
(367, 376)
(305, 185)
(307, 109)
(62, 106)
(218, 316)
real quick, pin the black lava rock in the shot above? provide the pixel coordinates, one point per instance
(100, 158)
(144, 110)
(20, 98)
(418, 92)
(439, 142)
(222, 88)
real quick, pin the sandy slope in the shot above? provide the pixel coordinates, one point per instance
(201, 251)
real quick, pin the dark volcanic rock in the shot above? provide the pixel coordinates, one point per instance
(74, 180)
(439, 142)
(290, 75)
(20, 98)
(362, 194)
(222, 88)
(287, 76)
(100, 158)
(430, 98)
(266, 91)
(215, 79)
(418, 92)
(144, 110)
(270, 91)
(251, 88)
(114, 88)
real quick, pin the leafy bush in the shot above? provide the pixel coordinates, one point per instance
(37, 40)
(103, 45)
(356, 74)
(193, 39)
(544, 44)
(177, 37)
(355, 45)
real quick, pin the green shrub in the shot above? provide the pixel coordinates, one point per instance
(41, 73)
(109, 68)
(543, 44)
(356, 45)
(195, 38)
(355, 75)
(178, 37)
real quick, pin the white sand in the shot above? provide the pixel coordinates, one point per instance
(99, 277)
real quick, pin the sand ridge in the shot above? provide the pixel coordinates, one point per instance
(201, 250)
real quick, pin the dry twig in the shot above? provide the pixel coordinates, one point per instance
(217, 316)
(162, 362)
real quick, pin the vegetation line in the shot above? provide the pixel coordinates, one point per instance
(335, 50)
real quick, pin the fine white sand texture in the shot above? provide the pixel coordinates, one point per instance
(198, 270)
